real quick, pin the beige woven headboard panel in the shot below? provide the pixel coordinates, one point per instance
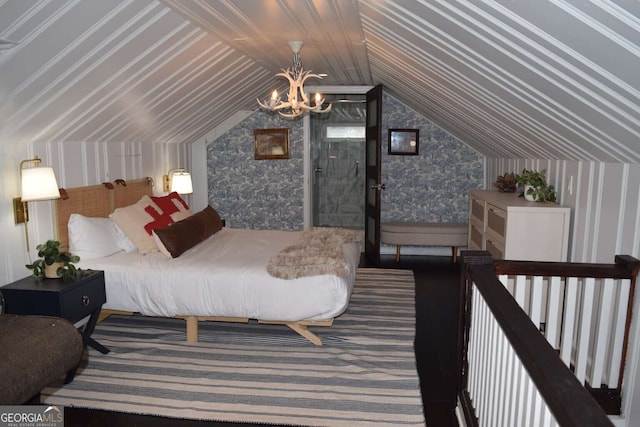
(96, 201)
(131, 191)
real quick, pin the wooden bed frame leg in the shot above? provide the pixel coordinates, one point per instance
(454, 254)
(192, 328)
(104, 313)
(305, 332)
(397, 253)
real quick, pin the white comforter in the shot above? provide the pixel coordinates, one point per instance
(223, 276)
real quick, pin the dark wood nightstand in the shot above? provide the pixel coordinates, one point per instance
(54, 297)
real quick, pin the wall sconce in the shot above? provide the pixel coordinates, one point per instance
(36, 183)
(177, 180)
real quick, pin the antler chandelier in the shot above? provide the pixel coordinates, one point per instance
(297, 100)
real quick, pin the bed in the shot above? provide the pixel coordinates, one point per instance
(223, 278)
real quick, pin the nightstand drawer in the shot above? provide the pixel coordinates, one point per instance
(83, 300)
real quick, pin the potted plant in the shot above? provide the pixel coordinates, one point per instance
(54, 263)
(535, 185)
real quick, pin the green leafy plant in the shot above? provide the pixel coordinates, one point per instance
(50, 254)
(535, 183)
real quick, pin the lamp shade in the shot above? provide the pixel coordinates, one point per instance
(181, 183)
(39, 183)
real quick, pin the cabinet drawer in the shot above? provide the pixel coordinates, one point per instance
(496, 220)
(83, 300)
(495, 249)
(475, 238)
(477, 210)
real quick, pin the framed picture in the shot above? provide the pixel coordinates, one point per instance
(403, 142)
(271, 143)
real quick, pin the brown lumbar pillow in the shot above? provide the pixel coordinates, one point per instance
(183, 235)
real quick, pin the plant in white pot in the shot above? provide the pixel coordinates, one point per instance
(535, 186)
(54, 263)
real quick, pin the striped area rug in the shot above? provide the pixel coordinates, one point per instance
(364, 374)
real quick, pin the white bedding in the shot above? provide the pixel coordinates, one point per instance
(223, 276)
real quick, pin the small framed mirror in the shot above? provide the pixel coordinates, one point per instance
(403, 142)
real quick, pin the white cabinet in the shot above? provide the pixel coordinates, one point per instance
(510, 227)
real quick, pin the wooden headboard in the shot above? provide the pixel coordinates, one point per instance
(96, 201)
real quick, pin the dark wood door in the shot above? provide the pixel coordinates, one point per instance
(373, 186)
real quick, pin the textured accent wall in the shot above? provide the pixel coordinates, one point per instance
(257, 194)
(433, 186)
(268, 194)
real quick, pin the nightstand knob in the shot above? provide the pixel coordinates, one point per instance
(85, 300)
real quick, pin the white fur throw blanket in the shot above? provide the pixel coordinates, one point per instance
(319, 251)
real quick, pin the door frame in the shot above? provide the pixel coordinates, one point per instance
(306, 134)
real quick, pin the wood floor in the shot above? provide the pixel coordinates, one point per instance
(437, 284)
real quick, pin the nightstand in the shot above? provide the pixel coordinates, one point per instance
(54, 297)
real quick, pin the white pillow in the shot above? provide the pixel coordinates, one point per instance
(161, 246)
(91, 238)
(123, 241)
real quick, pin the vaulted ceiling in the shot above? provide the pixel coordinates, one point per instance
(556, 79)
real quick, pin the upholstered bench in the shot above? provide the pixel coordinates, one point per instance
(425, 234)
(34, 352)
